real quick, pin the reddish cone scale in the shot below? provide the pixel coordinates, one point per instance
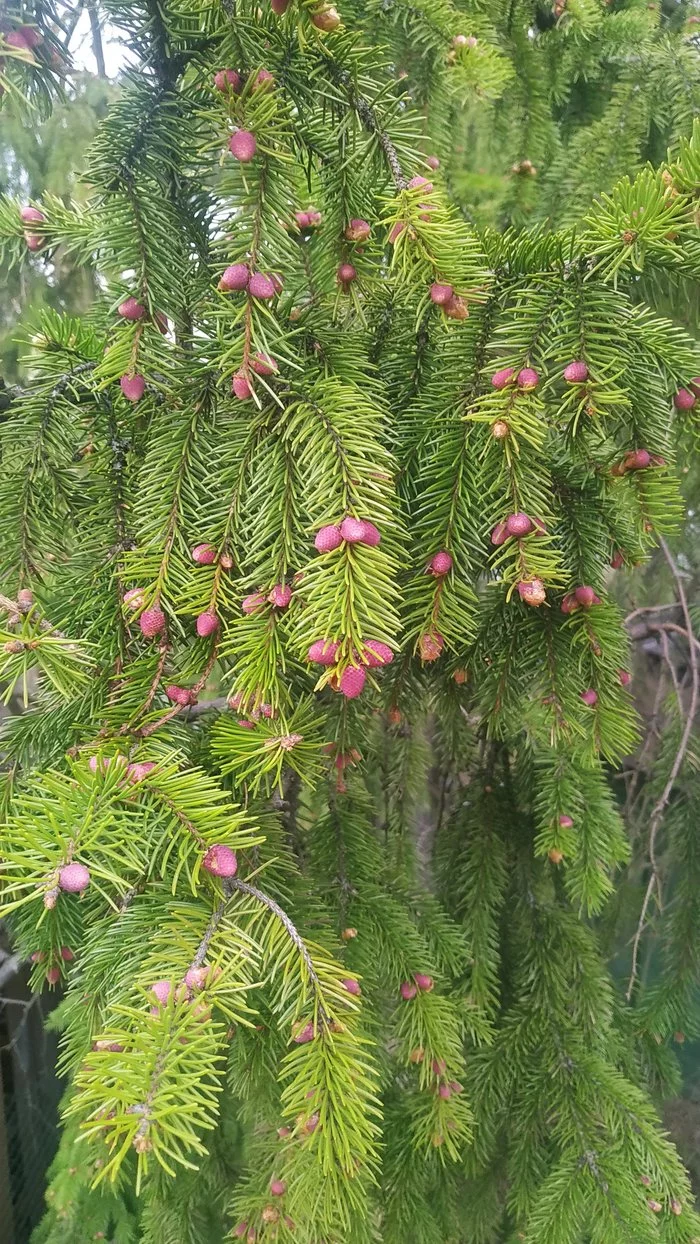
(555, 855)
(252, 603)
(396, 230)
(133, 387)
(304, 1032)
(137, 772)
(420, 183)
(134, 598)
(74, 878)
(440, 294)
(203, 554)
(432, 161)
(440, 563)
(566, 822)
(586, 597)
(278, 1187)
(576, 373)
(352, 986)
(589, 697)
(152, 622)
(377, 654)
(423, 982)
(131, 309)
(352, 682)
(66, 954)
(280, 595)
(34, 241)
(430, 646)
(528, 378)
(624, 677)
(180, 695)
(227, 80)
(519, 525)
(323, 652)
(235, 277)
(243, 146)
(358, 230)
(456, 308)
(220, 861)
(206, 624)
(53, 976)
(31, 216)
(569, 604)
(264, 365)
(328, 539)
(532, 592)
(499, 535)
(347, 273)
(196, 978)
(408, 990)
(372, 535)
(261, 286)
(240, 386)
(352, 530)
(263, 78)
(684, 400)
(501, 379)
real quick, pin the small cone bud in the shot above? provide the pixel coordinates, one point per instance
(352, 682)
(352, 530)
(555, 855)
(328, 539)
(207, 623)
(420, 183)
(280, 595)
(500, 430)
(357, 230)
(566, 822)
(499, 535)
(243, 146)
(203, 554)
(74, 878)
(519, 525)
(263, 78)
(424, 983)
(261, 286)
(430, 646)
(569, 604)
(396, 230)
(134, 598)
(235, 277)
(445, 1091)
(264, 365)
(240, 386)
(180, 695)
(279, 6)
(417, 1055)
(278, 1187)
(576, 373)
(152, 622)
(408, 990)
(528, 378)
(460, 677)
(323, 652)
(347, 273)
(348, 934)
(532, 592)
(227, 80)
(589, 697)
(133, 387)
(31, 216)
(432, 161)
(303, 1032)
(53, 976)
(196, 978)
(377, 653)
(131, 309)
(25, 600)
(625, 677)
(586, 597)
(34, 241)
(440, 294)
(326, 19)
(220, 861)
(456, 308)
(684, 400)
(252, 603)
(352, 986)
(501, 379)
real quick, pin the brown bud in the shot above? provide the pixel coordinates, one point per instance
(500, 430)
(556, 856)
(348, 934)
(460, 676)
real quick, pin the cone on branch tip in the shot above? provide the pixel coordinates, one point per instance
(74, 878)
(243, 146)
(152, 622)
(131, 309)
(220, 861)
(207, 623)
(235, 277)
(133, 387)
(576, 372)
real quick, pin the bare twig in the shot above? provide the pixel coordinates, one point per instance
(661, 803)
